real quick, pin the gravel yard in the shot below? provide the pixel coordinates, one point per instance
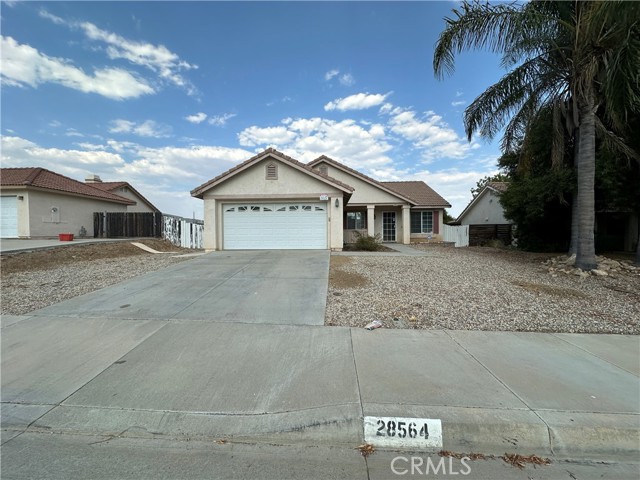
(33, 280)
(479, 289)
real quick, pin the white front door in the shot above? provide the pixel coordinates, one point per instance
(8, 216)
(274, 226)
(388, 226)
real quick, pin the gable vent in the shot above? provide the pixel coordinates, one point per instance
(272, 171)
(323, 168)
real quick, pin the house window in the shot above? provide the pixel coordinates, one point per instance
(271, 171)
(421, 222)
(356, 221)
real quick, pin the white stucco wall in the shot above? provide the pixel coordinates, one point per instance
(251, 185)
(72, 213)
(487, 210)
(364, 193)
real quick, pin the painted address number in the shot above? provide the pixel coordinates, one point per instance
(403, 432)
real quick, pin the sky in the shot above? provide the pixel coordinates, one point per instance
(167, 95)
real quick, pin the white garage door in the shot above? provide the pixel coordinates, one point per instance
(8, 216)
(261, 226)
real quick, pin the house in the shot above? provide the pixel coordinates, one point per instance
(36, 202)
(123, 189)
(272, 201)
(485, 215)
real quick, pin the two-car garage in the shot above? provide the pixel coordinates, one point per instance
(274, 226)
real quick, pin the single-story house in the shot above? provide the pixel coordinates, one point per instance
(485, 208)
(485, 215)
(272, 201)
(126, 190)
(36, 202)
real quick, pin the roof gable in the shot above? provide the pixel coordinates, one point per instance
(270, 152)
(497, 187)
(361, 176)
(42, 178)
(111, 186)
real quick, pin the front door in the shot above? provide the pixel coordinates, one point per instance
(388, 226)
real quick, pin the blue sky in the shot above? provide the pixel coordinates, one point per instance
(167, 95)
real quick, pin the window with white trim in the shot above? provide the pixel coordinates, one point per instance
(356, 221)
(421, 222)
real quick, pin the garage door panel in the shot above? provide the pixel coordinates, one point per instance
(8, 216)
(275, 226)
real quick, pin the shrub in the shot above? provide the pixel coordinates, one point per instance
(367, 242)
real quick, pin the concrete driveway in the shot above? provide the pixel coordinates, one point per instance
(274, 286)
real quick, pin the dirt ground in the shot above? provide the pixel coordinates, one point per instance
(55, 257)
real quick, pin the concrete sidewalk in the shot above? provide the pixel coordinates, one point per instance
(572, 396)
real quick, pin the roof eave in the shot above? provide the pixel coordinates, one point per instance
(364, 178)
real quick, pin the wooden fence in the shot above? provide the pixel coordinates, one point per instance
(458, 235)
(482, 234)
(180, 231)
(125, 224)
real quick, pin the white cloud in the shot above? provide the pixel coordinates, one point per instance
(359, 101)
(23, 65)
(196, 118)
(429, 134)
(91, 146)
(458, 103)
(148, 128)
(459, 93)
(357, 145)
(221, 120)
(330, 74)
(157, 58)
(347, 80)
(72, 132)
(164, 175)
(55, 123)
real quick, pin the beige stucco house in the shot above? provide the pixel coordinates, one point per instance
(126, 190)
(273, 201)
(36, 202)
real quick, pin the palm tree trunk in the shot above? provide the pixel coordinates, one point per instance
(586, 252)
(573, 245)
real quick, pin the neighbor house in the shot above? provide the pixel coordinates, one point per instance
(36, 202)
(485, 215)
(273, 201)
(123, 189)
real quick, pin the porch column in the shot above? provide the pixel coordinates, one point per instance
(370, 220)
(406, 225)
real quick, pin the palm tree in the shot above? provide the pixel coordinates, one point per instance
(577, 58)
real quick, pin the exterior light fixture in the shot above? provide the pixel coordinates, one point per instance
(337, 203)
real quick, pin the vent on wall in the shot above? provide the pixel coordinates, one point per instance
(323, 169)
(271, 171)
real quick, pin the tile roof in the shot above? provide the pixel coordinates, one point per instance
(419, 192)
(199, 191)
(331, 161)
(111, 186)
(43, 178)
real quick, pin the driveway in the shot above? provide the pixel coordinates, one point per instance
(273, 287)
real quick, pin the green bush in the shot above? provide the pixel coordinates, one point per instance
(367, 242)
